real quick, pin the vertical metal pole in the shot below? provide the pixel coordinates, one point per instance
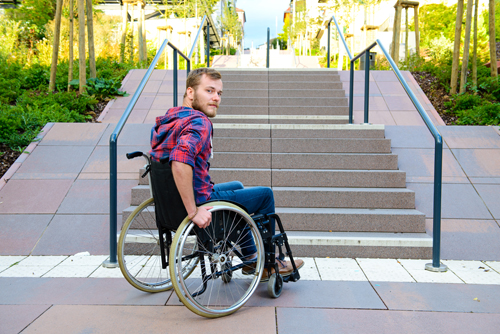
(267, 58)
(351, 92)
(208, 44)
(113, 190)
(328, 55)
(175, 78)
(188, 67)
(367, 84)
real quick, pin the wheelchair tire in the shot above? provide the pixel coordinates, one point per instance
(275, 285)
(139, 252)
(221, 296)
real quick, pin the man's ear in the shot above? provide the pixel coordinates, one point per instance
(190, 93)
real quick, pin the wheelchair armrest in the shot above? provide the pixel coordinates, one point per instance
(225, 200)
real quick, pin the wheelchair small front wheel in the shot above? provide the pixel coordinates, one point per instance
(275, 285)
(217, 287)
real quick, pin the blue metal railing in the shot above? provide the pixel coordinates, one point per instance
(113, 155)
(438, 140)
(267, 54)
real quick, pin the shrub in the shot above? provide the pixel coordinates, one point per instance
(464, 102)
(488, 114)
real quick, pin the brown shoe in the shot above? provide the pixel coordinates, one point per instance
(285, 269)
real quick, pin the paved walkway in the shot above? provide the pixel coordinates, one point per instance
(54, 202)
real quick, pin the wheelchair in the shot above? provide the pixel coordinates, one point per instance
(205, 267)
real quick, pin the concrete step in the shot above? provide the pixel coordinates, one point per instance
(352, 220)
(229, 85)
(329, 145)
(310, 102)
(305, 93)
(303, 77)
(227, 109)
(360, 244)
(244, 76)
(259, 130)
(246, 92)
(324, 160)
(303, 85)
(363, 198)
(245, 101)
(281, 119)
(306, 177)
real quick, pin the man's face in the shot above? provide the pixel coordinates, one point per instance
(207, 96)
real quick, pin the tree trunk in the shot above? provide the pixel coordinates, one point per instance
(407, 30)
(456, 48)
(474, 48)
(55, 47)
(465, 58)
(90, 33)
(140, 35)
(397, 34)
(132, 38)
(417, 32)
(81, 45)
(71, 56)
(493, 47)
(124, 31)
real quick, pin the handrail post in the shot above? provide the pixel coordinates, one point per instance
(113, 203)
(367, 84)
(208, 44)
(328, 55)
(267, 57)
(351, 92)
(175, 78)
(188, 67)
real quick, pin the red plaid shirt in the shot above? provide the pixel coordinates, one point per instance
(184, 135)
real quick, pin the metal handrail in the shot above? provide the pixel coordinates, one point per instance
(267, 54)
(196, 41)
(113, 155)
(438, 140)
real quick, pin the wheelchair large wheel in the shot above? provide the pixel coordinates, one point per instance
(139, 253)
(217, 287)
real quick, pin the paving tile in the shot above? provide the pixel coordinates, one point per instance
(340, 269)
(416, 268)
(490, 193)
(387, 270)
(463, 239)
(316, 294)
(84, 260)
(102, 272)
(20, 234)
(33, 261)
(473, 272)
(494, 264)
(14, 318)
(359, 88)
(114, 115)
(399, 103)
(309, 272)
(54, 162)
(374, 117)
(407, 118)
(420, 162)
(459, 201)
(71, 234)
(390, 88)
(99, 160)
(410, 137)
(311, 321)
(485, 180)
(2, 268)
(383, 76)
(92, 196)
(71, 271)
(166, 101)
(376, 103)
(475, 298)
(479, 162)
(17, 196)
(26, 271)
(74, 134)
(470, 136)
(150, 319)
(152, 114)
(10, 260)
(75, 291)
(131, 134)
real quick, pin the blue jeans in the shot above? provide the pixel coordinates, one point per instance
(256, 200)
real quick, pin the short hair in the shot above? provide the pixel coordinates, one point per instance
(194, 77)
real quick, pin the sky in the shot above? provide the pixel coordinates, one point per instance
(261, 14)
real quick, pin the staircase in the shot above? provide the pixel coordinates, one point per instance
(337, 186)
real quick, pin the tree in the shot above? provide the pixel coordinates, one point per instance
(493, 48)
(456, 48)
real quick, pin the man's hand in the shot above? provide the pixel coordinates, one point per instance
(203, 217)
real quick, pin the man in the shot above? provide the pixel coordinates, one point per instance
(184, 137)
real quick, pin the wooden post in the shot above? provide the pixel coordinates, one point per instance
(81, 45)
(417, 33)
(144, 40)
(132, 24)
(397, 33)
(456, 48)
(465, 58)
(140, 35)
(493, 47)
(407, 30)
(90, 34)
(55, 47)
(124, 31)
(71, 56)
(474, 47)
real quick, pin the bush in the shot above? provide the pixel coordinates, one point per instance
(464, 102)
(488, 114)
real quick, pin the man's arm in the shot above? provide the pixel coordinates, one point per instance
(183, 177)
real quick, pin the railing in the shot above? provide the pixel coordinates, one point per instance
(113, 155)
(438, 146)
(267, 54)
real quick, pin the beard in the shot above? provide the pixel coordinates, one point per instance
(203, 108)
